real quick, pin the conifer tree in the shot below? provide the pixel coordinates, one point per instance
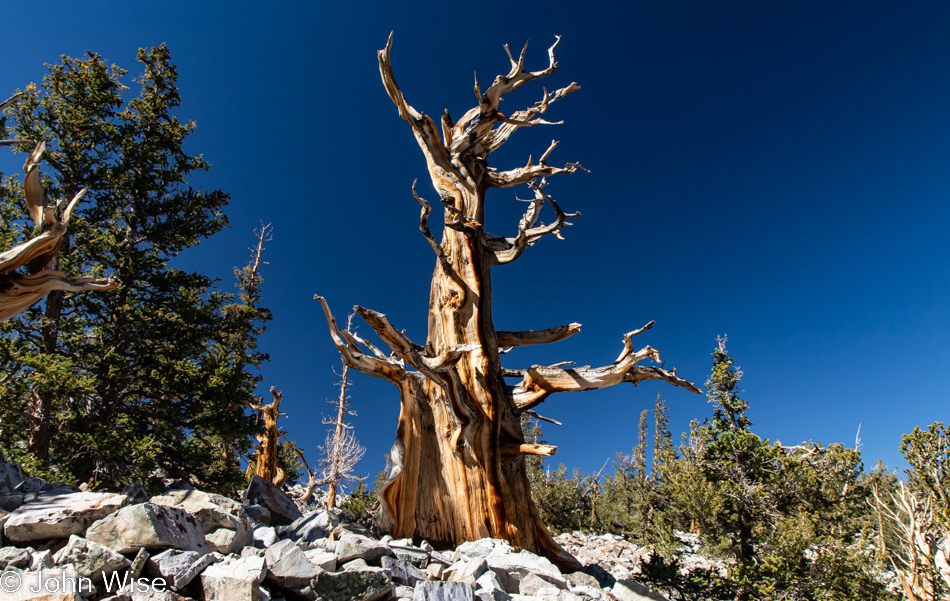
(128, 379)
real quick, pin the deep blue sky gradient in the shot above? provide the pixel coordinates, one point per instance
(776, 171)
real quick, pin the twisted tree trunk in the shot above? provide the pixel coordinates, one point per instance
(458, 459)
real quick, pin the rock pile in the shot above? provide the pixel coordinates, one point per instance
(62, 544)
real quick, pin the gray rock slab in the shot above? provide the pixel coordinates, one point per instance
(352, 546)
(91, 560)
(403, 572)
(178, 568)
(14, 557)
(259, 514)
(222, 520)
(443, 591)
(263, 537)
(10, 476)
(629, 590)
(351, 586)
(466, 570)
(11, 501)
(42, 560)
(487, 588)
(59, 516)
(290, 568)
(237, 580)
(322, 559)
(406, 552)
(282, 509)
(309, 528)
(151, 527)
(30, 485)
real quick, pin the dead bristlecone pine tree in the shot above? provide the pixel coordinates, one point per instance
(458, 460)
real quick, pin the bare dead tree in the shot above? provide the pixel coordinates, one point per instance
(341, 450)
(266, 455)
(458, 460)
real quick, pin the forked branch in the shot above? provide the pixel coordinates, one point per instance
(507, 250)
(539, 382)
(377, 366)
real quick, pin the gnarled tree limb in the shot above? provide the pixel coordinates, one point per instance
(508, 250)
(376, 366)
(535, 337)
(539, 382)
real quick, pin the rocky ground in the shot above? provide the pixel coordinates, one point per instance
(60, 543)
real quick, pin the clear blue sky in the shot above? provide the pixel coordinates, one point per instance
(776, 171)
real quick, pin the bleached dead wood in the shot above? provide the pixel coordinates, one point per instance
(20, 291)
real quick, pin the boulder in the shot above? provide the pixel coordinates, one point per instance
(324, 560)
(222, 520)
(149, 526)
(14, 557)
(512, 567)
(10, 476)
(59, 516)
(351, 586)
(403, 572)
(533, 584)
(288, 566)
(257, 513)
(42, 560)
(310, 527)
(136, 493)
(237, 580)
(178, 568)
(263, 537)
(406, 552)
(30, 485)
(466, 570)
(283, 510)
(11, 501)
(352, 546)
(487, 588)
(91, 560)
(443, 591)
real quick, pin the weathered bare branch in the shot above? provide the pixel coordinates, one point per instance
(539, 382)
(535, 337)
(375, 366)
(507, 250)
(526, 448)
(530, 172)
(542, 418)
(423, 127)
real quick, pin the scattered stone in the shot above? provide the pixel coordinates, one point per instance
(324, 560)
(443, 591)
(257, 513)
(403, 572)
(30, 485)
(581, 579)
(533, 584)
(42, 560)
(178, 568)
(351, 586)
(434, 571)
(237, 580)
(10, 476)
(91, 560)
(406, 552)
(222, 520)
(263, 537)
(487, 588)
(282, 509)
(310, 527)
(148, 526)
(138, 564)
(288, 566)
(136, 493)
(466, 570)
(13, 557)
(10, 501)
(59, 516)
(352, 546)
